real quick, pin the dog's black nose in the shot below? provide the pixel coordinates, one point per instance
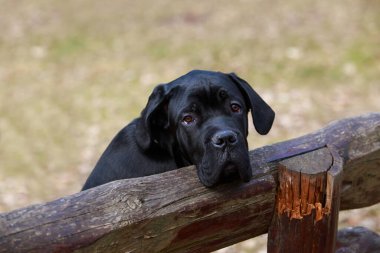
(224, 138)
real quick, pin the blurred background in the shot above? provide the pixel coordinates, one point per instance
(73, 73)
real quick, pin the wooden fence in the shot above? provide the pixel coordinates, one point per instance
(296, 193)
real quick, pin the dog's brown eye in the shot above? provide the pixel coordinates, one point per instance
(235, 107)
(188, 119)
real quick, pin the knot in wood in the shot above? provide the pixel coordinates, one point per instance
(131, 202)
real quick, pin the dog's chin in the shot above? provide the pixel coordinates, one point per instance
(232, 172)
(227, 171)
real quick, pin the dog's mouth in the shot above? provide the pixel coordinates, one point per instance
(229, 173)
(232, 172)
(211, 172)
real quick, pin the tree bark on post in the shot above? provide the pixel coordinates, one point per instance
(307, 203)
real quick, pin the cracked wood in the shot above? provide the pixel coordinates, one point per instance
(307, 203)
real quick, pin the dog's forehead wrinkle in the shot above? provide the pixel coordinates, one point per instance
(208, 93)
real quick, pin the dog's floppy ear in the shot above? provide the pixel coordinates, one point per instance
(262, 114)
(154, 118)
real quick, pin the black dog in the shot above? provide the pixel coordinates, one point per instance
(199, 118)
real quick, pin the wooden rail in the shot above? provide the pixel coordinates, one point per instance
(173, 212)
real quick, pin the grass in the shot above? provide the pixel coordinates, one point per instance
(72, 73)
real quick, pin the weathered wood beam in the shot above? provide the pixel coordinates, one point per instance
(150, 214)
(357, 240)
(173, 212)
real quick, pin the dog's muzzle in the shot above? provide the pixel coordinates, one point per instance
(226, 158)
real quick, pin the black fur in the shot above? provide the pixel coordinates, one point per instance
(199, 118)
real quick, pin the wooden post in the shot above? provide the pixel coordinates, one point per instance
(307, 203)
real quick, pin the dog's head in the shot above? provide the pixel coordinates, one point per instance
(201, 118)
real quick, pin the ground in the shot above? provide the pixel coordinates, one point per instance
(72, 73)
